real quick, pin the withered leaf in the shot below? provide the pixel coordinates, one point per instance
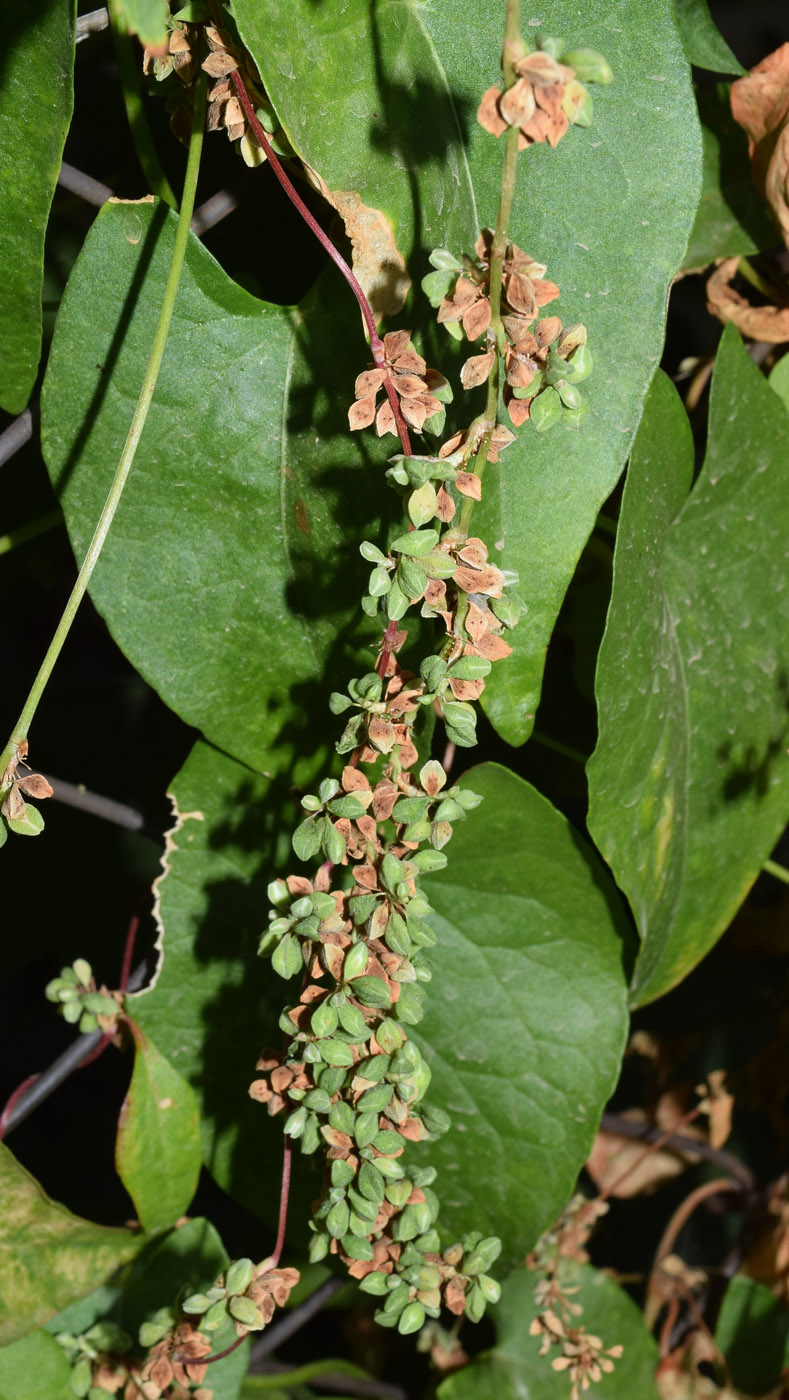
(767, 323)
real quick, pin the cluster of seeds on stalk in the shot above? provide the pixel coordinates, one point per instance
(78, 999)
(187, 43)
(548, 95)
(543, 363)
(422, 392)
(177, 1342)
(350, 1080)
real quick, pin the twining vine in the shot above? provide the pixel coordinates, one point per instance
(356, 932)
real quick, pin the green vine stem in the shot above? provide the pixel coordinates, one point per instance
(128, 71)
(19, 736)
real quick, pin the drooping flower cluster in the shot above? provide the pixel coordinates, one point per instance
(186, 53)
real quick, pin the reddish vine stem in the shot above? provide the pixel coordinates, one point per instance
(376, 344)
(284, 1195)
(14, 1099)
(207, 1360)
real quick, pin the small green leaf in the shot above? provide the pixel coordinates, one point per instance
(307, 838)
(157, 1150)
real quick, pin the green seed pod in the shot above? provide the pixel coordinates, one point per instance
(71, 1011)
(411, 1318)
(366, 1210)
(197, 1303)
(545, 410)
(590, 66)
(389, 1035)
(333, 844)
(294, 1126)
(365, 1129)
(342, 1117)
(318, 1100)
(374, 1283)
(215, 1318)
(371, 1183)
(88, 1023)
(337, 1220)
(356, 960)
(390, 1169)
(490, 1288)
(371, 991)
(81, 1377)
(324, 1019)
(440, 835)
(319, 1248)
(429, 1243)
(83, 973)
(244, 1311)
(278, 892)
(341, 1173)
(357, 1245)
(397, 1296)
(239, 1276)
(99, 1004)
(286, 959)
(397, 1192)
(371, 553)
(475, 1304)
(156, 1327)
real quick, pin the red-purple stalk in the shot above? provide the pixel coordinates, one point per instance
(376, 344)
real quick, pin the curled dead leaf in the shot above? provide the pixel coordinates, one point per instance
(760, 104)
(768, 323)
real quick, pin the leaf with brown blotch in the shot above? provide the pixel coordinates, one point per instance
(767, 323)
(760, 104)
(477, 369)
(469, 484)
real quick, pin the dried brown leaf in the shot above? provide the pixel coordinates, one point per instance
(760, 104)
(767, 323)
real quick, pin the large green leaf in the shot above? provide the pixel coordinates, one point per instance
(157, 1150)
(752, 1331)
(36, 98)
(47, 1255)
(732, 217)
(526, 1019)
(689, 788)
(215, 1005)
(702, 40)
(225, 577)
(609, 211)
(148, 18)
(34, 1368)
(514, 1370)
(394, 144)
